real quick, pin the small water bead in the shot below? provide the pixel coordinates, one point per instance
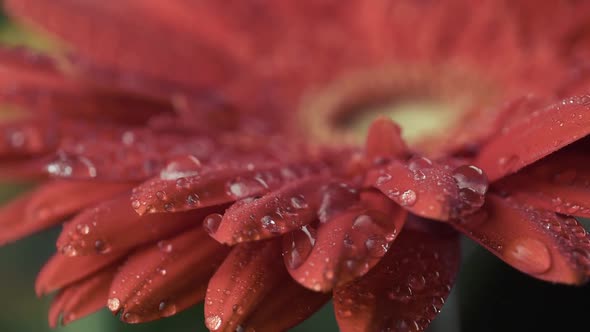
(161, 271)
(300, 246)
(168, 207)
(269, 224)
(192, 199)
(167, 309)
(131, 318)
(298, 202)
(377, 246)
(83, 229)
(161, 195)
(417, 282)
(408, 198)
(417, 163)
(401, 294)
(114, 304)
(70, 165)
(69, 251)
(383, 179)
(529, 255)
(135, 204)
(165, 246)
(419, 175)
(213, 322)
(472, 178)
(244, 187)
(102, 247)
(183, 167)
(212, 222)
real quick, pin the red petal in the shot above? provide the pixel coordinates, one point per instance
(407, 289)
(29, 137)
(48, 204)
(560, 182)
(274, 214)
(538, 134)
(284, 307)
(431, 190)
(214, 186)
(384, 141)
(347, 244)
(131, 41)
(114, 226)
(540, 243)
(61, 271)
(165, 278)
(248, 274)
(81, 299)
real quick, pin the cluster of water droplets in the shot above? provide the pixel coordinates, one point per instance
(68, 165)
(473, 185)
(414, 294)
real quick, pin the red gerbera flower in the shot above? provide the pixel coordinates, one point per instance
(203, 151)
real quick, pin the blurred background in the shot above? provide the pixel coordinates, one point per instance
(489, 296)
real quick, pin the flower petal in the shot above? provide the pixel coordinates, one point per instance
(344, 246)
(538, 134)
(48, 204)
(284, 307)
(431, 190)
(131, 41)
(114, 226)
(250, 272)
(218, 185)
(407, 289)
(61, 271)
(559, 182)
(273, 214)
(537, 242)
(81, 299)
(384, 141)
(165, 278)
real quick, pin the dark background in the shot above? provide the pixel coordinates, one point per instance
(489, 296)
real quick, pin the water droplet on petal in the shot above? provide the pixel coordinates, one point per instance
(114, 304)
(131, 318)
(298, 202)
(102, 247)
(299, 246)
(213, 322)
(212, 222)
(528, 254)
(408, 198)
(165, 246)
(167, 309)
(183, 167)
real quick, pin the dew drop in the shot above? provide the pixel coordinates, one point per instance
(101, 247)
(192, 199)
(417, 282)
(383, 179)
(114, 304)
(213, 322)
(165, 246)
(130, 318)
(167, 309)
(269, 224)
(135, 204)
(471, 177)
(182, 167)
(212, 222)
(408, 198)
(298, 202)
(300, 246)
(161, 195)
(83, 229)
(529, 255)
(168, 207)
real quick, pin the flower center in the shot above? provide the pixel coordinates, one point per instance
(424, 101)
